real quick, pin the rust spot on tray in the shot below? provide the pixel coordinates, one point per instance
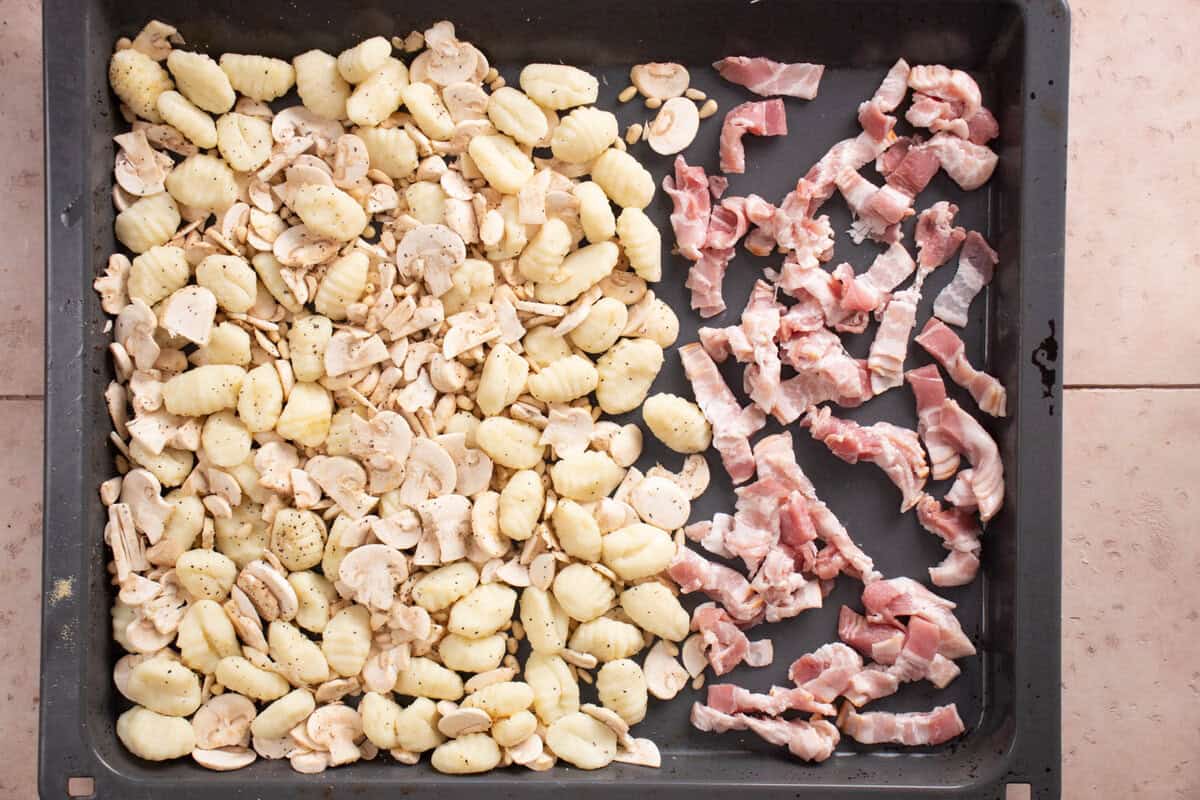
(1045, 358)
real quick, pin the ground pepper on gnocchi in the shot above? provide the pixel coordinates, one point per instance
(364, 345)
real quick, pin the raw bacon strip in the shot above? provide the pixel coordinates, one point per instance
(890, 93)
(937, 238)
(947, 84)
(961, 495)
(889, 269)
(887, 161)
(976, 264)
(826, 671)
(717, 184)
(831, 531)
(784, 590)
(877, 211)
(916, 728)
(761, 118)
(776, 461)
(920, 647)
(945, 346)
(939, 115)
(810, 741)
(728, 587)
(711, 534)
(730, 699)
(727, 224)
(959, 534)
(826, 290)
(760, 321)
(855, 630)
(848, 155)
(856, 294)
(968, 164)
(725, 645)
(911, 173)
(895, 450)
(721, 343)
(825, 372)
(930, 393)
(904, 597)
(768, 78)
(871, 684)
(705, 278)
(890, 348)
(689, 219)
(732, 425)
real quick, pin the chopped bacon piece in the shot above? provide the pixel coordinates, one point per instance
(732, 425)
(831, 531)
(776, 460)
(944, 345)
(920, 646)
(941, 115)
(937, 238)
(976, 264)
(761, 118)
(912, 172)
(901, 597)
(916, 728)
(727, 224)
(961, 495)
(855, 294)
(968, 164)
(728, 587)
(887, 161)
(875, 123)
(725, 645)
(784, 590)
(711, 534)
(942, 671)
(825, 372)
(890, 93)
(688, 190)
(848, 155)
(895, 450)
(769, 78)
(890, 348)
(720, 343)
(717, 184)
(826, 671)
(810, 741)
(826, 290)
(959, 535)
(947, 84)
(760, 321)
(930, 393)
(730, 699)
(863, 635)
(705, 278)
(982, 127)
(890, 268)
(877, 211)
(871, 684)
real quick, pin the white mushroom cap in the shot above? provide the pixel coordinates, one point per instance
(297, 121)
(142, 492)
(428, 471)
(675, 127)
(472, 467)
(225, 759)
(438, 249)
(660, 79)
(461, 721)
(189, 312)
(224, 721)
(660, 502)
(664, 676)
(448, 519)
(338, 729)
(401, 530)
(692, 652)
(465, 100)
(300, 247)
(568, 430)
(383, 443)
(343, 480)
(139, 169)
(134, 330)
(640, 752)
(370, 574)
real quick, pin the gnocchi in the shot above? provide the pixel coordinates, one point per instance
(258, 77)
(637, 551)
(558, 86)
(583, 592)
(321, 87)
(582, 741)
(626, 373)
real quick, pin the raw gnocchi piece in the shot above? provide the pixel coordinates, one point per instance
(165, 686)
(328, 211)
(321, 87)
(239, 675)
(297, 538)
(426, 678)
(513, 113)
(274, 721)
(602, 327)
(577, 530)
(201, 80)
(546, 623)
(157, 273)
(307, 340)
(307, 414)
(357, 63)
(181, 114)
(565, 380)
(511, 731)
(427, 109)
(472, 283)
(343, 284)
(626, 372)
(578, 271)
(203, 390)
(231, 281)
(656, 609)
(501, 162)
(502, 381)
(607, 639)
(138, 80)
(475, 752)
(296, 655)
(637, 551)
(626, 182)
(227, 344)
(426, 202)
(544, 254)
(583, 592)
(510, 443)
(555, 691)
(621, 686)
(179, 531)
(315, 596)
(149, 222)
(260, 399)
(641, 242)
(543, 346)
(677, 422)
(471, 655)
(244, 141)
(380, 94)
(268, 269)
(659, 324)
(390, 150)
(583, 135)
(443, 587)
(153, 736)
(558, 86)
(595, 213)
(243, 536)
(258, 77)
(203, 182)
(501, 699)
(521, 503)
(586, 476)
(206, 636)
(582, 741)
(206, 574)
(388, 726)
(486, 609)
(346, 640)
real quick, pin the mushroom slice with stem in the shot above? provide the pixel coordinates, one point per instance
(528, 751)
(300, 247)
(692, 653)
(274, 462)
(693, 478)
(664, 676)
(429, 471)
(472, 467)
(465, 100)
(297, 121)
(462, 721)
(142, 492)
(675, 127)
(134, 330)
(437, 250)
(189, 312)
(112, 285)
(568, 431)
(343, 481)
(448, 519)
(139, 169)
(402, 530)
(383, 444)
(338, 729)
(269, 591)
(640, 752)
(224, 721)
(369, 575)
(660, 80)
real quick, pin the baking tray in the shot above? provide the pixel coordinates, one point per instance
(1008, 695)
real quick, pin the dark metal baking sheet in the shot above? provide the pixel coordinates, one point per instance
(1008, 695)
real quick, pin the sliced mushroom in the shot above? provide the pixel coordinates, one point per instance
(528, 751)
(462, 721)
(514, 573)
(121, 535)
(661, 502)
(225, 759)
(310, 762)
(383, 443)
(692, 652)
(273, 749)
(383, 667)
(351, 161)
(274, 462)
(448, 60)
(134, 330)
(612, 514)
(401, 531)
(343, 481)
(578, 311)
(334, 690)
(664, 676)
(224, 721)
(138, 168)
(145, 388)
(299, 247)
(674, 128)
(338, 729)
(437, 250)
(189, 312)
(273, 597)
(111, 286)
(405, 757)
(244, 617)
(370, 574)
(489, 678)
(472, 467)
(640, 752)
(633, 476)
(611, 719)
(568, 430)
(470, 329)
(348, 353)
(298, 121)
(485, 527)
(660, 80)
(429, 471)
(625, 445)
(693, 478)
(465, 100)
(142, 492)
(125, 664)
(448, 519)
